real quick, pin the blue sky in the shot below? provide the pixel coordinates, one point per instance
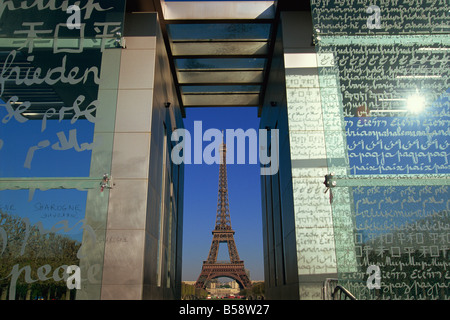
(200, 197)
(201, 185)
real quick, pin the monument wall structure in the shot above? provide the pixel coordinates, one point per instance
(366, 97)
(91, 205)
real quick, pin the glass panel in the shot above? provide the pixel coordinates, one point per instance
(219, 48)
(223, 100)
(221, 89)
(237, 31)
(420, 18)
(58, 87)
(385, 104)
(43, 233)
(221, 77)
(400, 230)
(23, 156)
(249, 63)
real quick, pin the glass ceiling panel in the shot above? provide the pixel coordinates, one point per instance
(223, 63)
(221, 89)
(218, 58)
(223, 100)
(219, 48)
(219, 31)
(221, 77)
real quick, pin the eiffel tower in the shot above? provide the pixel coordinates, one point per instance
(223, 233)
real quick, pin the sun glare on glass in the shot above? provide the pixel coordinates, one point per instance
(415, 103)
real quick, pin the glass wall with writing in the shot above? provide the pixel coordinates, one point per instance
(384, 82)
(58, 85)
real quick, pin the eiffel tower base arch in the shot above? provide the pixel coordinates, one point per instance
(235, 271)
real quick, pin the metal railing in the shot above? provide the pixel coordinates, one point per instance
(332, 290)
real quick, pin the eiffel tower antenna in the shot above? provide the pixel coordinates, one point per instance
(223, 233)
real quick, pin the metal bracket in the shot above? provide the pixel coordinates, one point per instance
(316, 37)
(329, 182)
(119, 41)
(106, 182)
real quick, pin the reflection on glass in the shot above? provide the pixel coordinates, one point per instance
(413, 144)
(50, 81)
(236, 31)
(62, 150)
(214, 63)
(393, 100)
(404, 231)
(41, 235)
(415, 103)
(221, 89)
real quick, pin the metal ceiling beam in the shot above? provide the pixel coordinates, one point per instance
(272, 40)
(218, 10)
(259, 12)
(280, 5)
(157, 6)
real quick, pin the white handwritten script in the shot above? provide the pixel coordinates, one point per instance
(378, 77)
(49, 78)
(52, 5)
(388, 16)
(405, 232)
(383, 54)
(16, 73)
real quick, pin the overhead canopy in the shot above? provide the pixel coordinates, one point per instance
(219, 50)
